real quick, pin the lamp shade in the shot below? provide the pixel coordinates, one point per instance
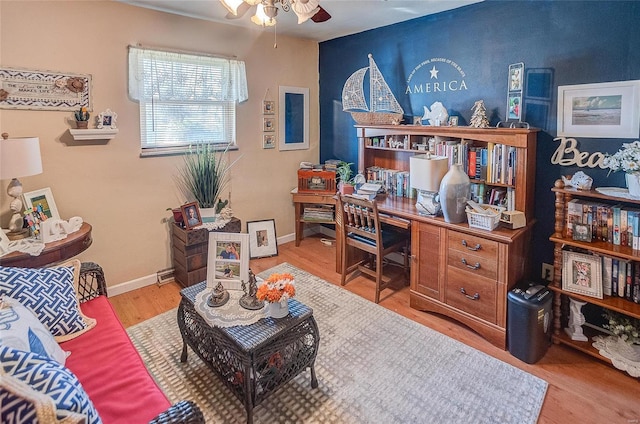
(426, 171)
(20, 157)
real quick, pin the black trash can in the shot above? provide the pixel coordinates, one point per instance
(529, 322)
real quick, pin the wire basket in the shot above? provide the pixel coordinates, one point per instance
(485, 222)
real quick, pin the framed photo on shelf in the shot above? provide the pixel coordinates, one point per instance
(262, 238)
(516, 75)
(268, 107)
(605, 110)
(228, 260)
(4, 243)
(107, 120)
(42, 199)
(191, 215)
(582, 274)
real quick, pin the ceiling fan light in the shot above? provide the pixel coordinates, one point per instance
(232, 5)
(305, 9)
(261, 18)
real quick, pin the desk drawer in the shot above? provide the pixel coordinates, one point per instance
(475, 265)
(472, 244)
(479, 297)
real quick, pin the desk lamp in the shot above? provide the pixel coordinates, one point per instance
(19, 157)
(426, 172)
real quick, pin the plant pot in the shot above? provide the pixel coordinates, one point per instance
(633, 184)
(278, 309)
(346, 189)
(82, 125)
(177, 215)
(209, 214)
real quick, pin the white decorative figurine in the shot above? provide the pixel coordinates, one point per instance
(579, 180)
(576, 320)
(437, 116)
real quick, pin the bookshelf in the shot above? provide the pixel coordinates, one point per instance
(601, 246)
(391, 146)
(442, 277)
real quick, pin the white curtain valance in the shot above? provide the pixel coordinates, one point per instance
(172, 76)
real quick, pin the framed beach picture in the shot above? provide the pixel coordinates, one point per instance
(42, 201)
(582, 274)
(605, 110)
(262, 238)
(228, 260)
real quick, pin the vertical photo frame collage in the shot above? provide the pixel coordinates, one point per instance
(514, 94)
(268, 122)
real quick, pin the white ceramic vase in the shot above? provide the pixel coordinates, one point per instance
(454, 193)
(633, 184)
(278, 309)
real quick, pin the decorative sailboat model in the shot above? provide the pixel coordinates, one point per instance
(384, 109)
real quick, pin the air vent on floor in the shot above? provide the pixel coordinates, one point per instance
(165, 276)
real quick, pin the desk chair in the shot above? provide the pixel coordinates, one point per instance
(362, 230)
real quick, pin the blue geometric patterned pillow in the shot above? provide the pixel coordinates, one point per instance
(51, 294)
(20, 329)
(47, 377)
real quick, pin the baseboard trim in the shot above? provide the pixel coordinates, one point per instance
(150, 279)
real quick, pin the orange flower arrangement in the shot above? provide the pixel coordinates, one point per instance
(276, 288)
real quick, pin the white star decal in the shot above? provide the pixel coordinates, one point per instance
(434, 72)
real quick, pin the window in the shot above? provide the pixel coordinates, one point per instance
(185, 99)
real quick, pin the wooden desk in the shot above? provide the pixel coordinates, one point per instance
(301, 199)
(461, 272)
(54, 252)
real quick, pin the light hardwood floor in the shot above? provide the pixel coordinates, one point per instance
(581, 389)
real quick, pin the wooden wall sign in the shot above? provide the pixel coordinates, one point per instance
(44, 90)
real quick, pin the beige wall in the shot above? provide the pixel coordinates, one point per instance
(123, 196)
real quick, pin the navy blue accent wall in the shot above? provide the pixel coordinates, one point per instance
(560, 43)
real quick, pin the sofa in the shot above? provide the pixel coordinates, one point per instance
(66, 358)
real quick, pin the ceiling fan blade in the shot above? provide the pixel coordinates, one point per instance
(242, 9)
(321, 16)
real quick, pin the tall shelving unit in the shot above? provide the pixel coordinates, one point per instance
(617, 304)
(462, 272)
(523, 140)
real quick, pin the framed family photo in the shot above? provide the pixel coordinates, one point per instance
(228, 260)
(191, 215)
(268, 107)
(268, 141)
(605, 110)
(582, 274)
(42, 199)
(262, 238)
(268, 124)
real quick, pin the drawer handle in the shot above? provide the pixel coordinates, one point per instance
(473, 267)
(474, 248)
(474, 297)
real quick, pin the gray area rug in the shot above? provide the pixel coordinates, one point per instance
(373, 366)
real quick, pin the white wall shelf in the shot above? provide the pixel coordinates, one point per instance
(93, 134)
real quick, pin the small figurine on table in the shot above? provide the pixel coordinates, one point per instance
(219, 296)
(249, 300)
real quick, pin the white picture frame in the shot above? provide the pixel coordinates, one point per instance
(582, 274)
(268, 141)
(293, 118)
(604, 110)
(44, 198)
(107, 120)
(4, 243)
(228, 260)
(262, 238)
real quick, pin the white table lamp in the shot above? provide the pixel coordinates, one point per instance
(19, 157)
(426, 172)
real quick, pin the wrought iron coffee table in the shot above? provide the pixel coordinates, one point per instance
(253, 360)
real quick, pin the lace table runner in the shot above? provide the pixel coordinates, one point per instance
(228, 315)
(607, 347)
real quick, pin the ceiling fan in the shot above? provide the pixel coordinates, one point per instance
(266, 10)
